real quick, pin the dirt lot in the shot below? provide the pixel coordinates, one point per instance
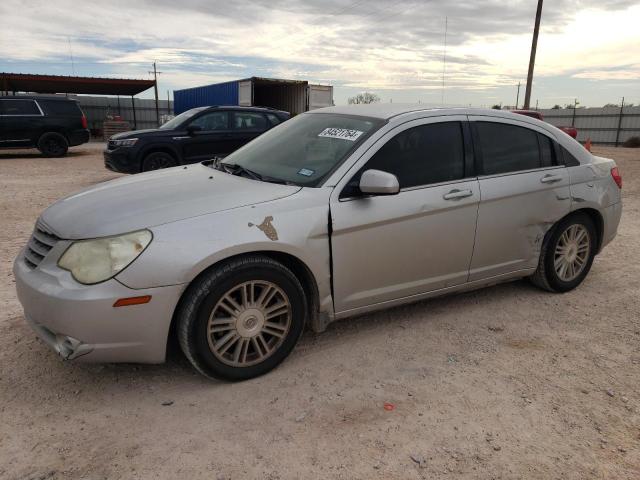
(507, 382)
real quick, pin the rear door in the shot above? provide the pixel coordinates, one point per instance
(21, 122)
(524, 191)
(386, 248)
(213, 140)
(245, 126)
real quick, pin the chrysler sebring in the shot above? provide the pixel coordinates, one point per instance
(337, 212)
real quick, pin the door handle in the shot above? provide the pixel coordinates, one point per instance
(457, 194)
(550, 178)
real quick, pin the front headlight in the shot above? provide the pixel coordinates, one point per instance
(97, 260)
(128, 142)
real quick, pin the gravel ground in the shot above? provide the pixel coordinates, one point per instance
(506, 382)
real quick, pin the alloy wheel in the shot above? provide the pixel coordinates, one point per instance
(572, 252)
(249, 323)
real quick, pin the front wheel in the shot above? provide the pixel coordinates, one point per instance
(158, 160)
(242, 319)
(567, 254)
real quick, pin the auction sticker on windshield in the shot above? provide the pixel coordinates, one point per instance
(343, 133)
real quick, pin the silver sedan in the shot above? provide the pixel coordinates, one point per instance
(337, 212)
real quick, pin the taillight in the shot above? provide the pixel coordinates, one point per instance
(84, 122)
(615, 173)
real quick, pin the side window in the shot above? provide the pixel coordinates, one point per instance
(507, 148)
(273, 119)
(547, 152)
(212, 121)
(249, 121)
(60, 107)
(18, 107)
(568, 159)
(423, 155)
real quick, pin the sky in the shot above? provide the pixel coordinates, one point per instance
(587, 49)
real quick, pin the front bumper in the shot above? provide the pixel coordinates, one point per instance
(121, 160)
(80, 322)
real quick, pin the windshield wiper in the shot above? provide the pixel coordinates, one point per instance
(236, 169)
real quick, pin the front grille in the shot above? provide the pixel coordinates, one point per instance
(40, 244)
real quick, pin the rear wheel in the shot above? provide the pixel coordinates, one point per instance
(158, 160)
(53, 145)
(567, 254)
(242, 319)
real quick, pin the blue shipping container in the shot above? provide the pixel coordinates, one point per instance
(216, 94)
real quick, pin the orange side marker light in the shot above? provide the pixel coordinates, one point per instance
(125, 302)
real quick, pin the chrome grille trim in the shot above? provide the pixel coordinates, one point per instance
(40, 244)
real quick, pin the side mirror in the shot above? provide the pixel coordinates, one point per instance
(377, 182)
(191, 129)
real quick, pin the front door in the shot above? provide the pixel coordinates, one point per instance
(386, 248)
(524, 192)
(213, 139)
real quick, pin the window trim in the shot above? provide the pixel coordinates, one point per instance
(23, 114)
(470, 172)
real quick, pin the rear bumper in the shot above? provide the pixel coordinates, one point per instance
(78, 137)
(121, 160)
(80, 322)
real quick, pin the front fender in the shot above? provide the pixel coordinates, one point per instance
(181, 250)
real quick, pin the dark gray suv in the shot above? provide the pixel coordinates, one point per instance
(198, 134)
(50, 124)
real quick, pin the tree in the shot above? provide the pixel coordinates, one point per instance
(556, 107)
(365, 97)
(607, 105)
(497, 107)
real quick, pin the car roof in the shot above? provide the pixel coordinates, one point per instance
(387, 111)
(39, 97)
(249, 109)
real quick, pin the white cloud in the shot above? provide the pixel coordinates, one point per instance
(389, 46)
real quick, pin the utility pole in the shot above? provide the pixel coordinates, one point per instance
(532, 58)
(155, 88)
(518, 96)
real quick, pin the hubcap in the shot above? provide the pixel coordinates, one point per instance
(572, 252)
(249, 323)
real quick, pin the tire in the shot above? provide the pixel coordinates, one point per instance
(554, 249)
(158, 160)
(53, 145)
(253, 347)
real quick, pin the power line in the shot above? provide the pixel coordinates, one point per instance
(444, 57)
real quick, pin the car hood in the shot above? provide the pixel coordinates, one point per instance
(140, 133)
(148, 199)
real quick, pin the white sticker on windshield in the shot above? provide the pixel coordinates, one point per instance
(343, 133)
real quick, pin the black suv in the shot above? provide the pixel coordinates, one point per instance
(51, 124)
(198, 134)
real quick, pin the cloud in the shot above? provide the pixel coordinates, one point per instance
(387, 45)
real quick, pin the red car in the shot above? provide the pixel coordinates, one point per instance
(571, 131)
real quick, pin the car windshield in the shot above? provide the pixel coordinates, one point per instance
(305, 149)
(177, 121)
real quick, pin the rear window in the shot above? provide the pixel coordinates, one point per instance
(60, 107)
(18, 107)
(249, 121)
(507, 148)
